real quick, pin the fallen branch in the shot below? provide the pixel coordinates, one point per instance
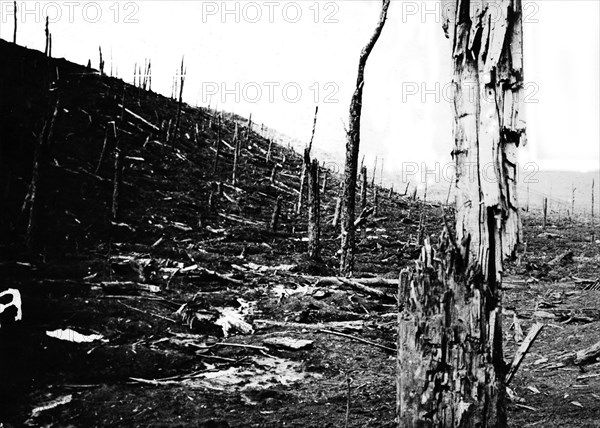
(587, 355)
(522, 351)
(348, 325)
(358, 339)
(149, 313)
(140, 118)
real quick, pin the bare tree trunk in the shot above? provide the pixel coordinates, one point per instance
(236, 158)
(276, 214)
(305, 167)
(182, 75)
(15, 22)
(352, 149)
(451, 368)
(545, 211)
(338, 208)
(47, 32)
(314, 210)
(268, 158)
(374, 172)
(312, 137)
(302, 180)
(363, 188)
(375, 201)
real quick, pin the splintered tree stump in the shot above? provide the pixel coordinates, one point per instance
(449, 346)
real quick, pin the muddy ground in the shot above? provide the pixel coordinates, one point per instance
(207, 318)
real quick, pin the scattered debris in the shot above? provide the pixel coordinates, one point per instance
(73, 336)
(60, 401)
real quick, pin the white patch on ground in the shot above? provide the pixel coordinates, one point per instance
(266, 373)
(73, 336)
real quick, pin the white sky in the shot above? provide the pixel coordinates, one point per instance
(561, 70)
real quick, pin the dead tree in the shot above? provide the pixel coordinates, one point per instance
(450, 360)
(276, 213)
(182, 75)
(352, 149)
(545, 208)
(101, 62)
(324, 182)
(236, 158)
(47, 31)
(305, 166)
(268, 157)
(374, 172)
(375, 201)
(314, 210)
(363, 188)
(15, 22)
(249, 127)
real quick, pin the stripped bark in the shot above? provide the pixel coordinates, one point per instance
(450, 333)
(314, 210)
(352, 149)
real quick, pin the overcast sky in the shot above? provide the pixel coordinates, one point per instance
(277, 59)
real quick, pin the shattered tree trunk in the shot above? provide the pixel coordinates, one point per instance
(352, 149)
(450, 362)
(314, 210)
